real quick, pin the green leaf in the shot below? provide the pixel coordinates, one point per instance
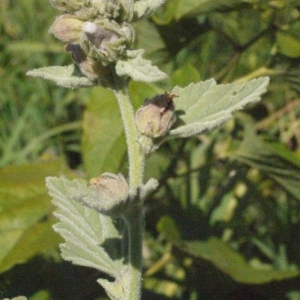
(85, 230)
(168, 227)
(287, 45)
(155, 48)
(196, 7)
(273, 159)
(206, 105)
(138, 68)
(115, 290)
(145, 8)
(232, 263)
(103, 142)
(26, 212)
(68, 76)
(185, 75)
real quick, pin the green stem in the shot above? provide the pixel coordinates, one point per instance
(134, 220)
(134, 217)
(136, 158)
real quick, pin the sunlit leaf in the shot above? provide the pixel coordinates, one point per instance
(138, 68)
(144, 8)
(206, 105)
(85, 230)
(68, 76)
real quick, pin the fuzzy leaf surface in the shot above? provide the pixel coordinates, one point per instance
(115, 290)
(205, 105)
(86, 232)
(145, 8)
(138, 68)
(67, 76)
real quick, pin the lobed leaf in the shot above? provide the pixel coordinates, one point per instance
(67, 76)
(206, 105)
(138, 68)
(85, 230)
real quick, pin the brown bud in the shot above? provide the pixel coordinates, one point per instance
(156, 116)
(67, 28)
(92, 69)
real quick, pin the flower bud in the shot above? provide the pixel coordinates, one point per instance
(98, 36)
(156, 116)
(110, 187)
(92, 69)
(111, 192)
(67, 28)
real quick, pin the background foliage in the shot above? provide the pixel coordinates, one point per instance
(225, 221)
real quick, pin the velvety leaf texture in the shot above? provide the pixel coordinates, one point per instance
(84, 230)
(206, 105)
(67, 76)
(138, 68)
(145, 8)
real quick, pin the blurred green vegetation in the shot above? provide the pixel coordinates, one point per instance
(225, 221)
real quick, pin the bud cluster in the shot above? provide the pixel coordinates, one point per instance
(96, 32)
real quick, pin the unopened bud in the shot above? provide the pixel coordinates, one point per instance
(110, 187)
(112, 191)
(67, 28)
(98, 35)
(92, 69)
(156, 116)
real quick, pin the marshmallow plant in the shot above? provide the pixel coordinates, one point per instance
(99, 36)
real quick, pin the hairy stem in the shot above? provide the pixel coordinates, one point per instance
(134, 220)
(136, 158)
(134, 217)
